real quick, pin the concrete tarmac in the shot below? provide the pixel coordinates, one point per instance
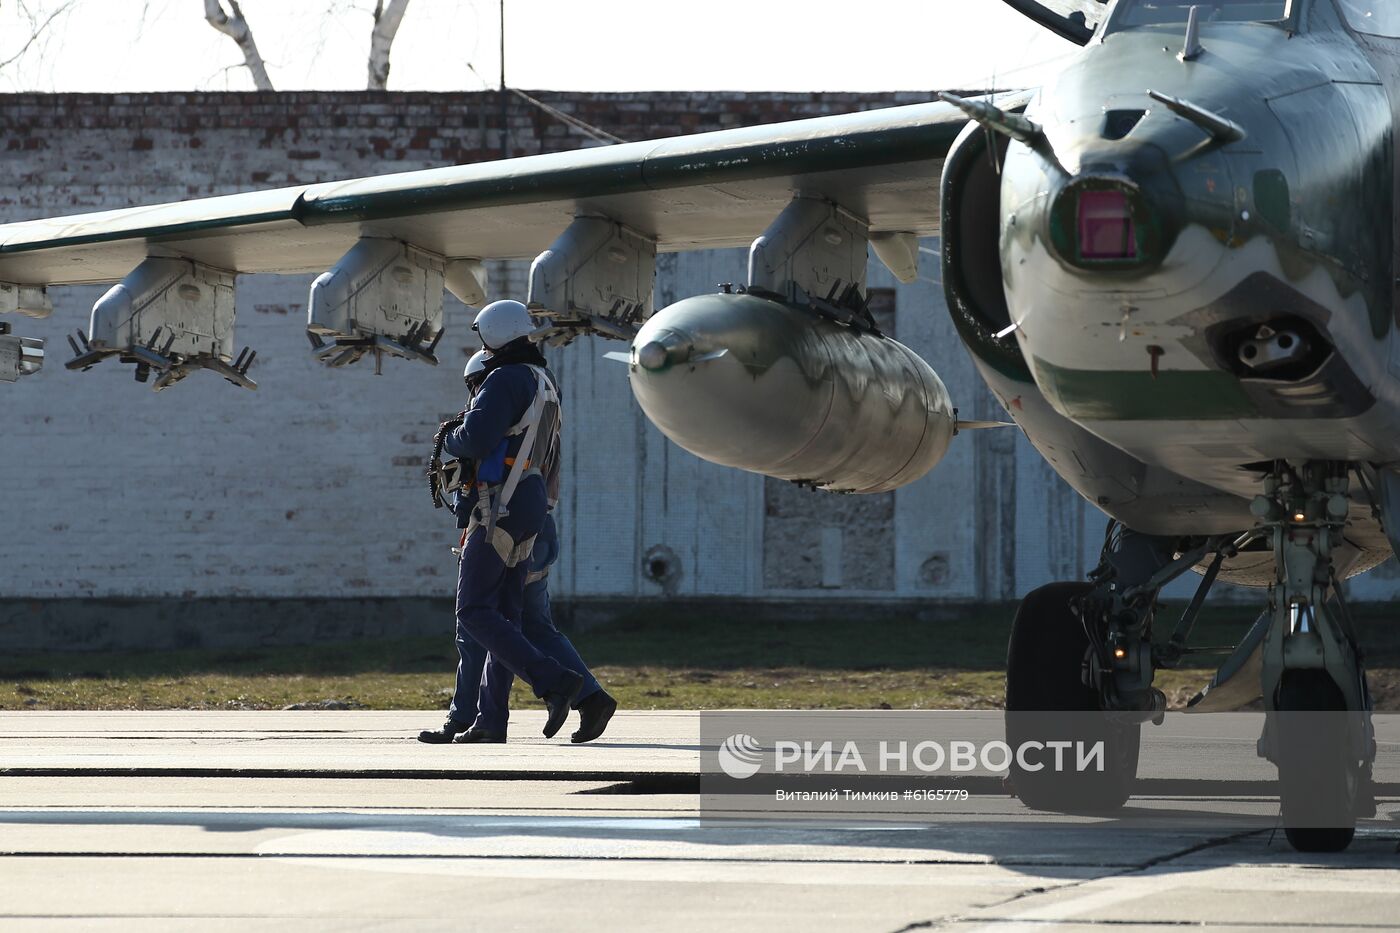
(339, 821)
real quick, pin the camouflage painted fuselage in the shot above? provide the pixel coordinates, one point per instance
(1128, 367)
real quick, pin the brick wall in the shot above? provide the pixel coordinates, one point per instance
(65, 153)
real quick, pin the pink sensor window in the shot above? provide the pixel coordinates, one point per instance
(1106, 226)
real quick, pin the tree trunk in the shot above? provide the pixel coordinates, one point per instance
(236, 28)
(386, 25)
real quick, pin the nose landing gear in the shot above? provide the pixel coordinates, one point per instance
(1318, 729)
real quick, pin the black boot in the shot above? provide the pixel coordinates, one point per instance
(447, 733)
(560, 700)
(593, 716)
(480, 737)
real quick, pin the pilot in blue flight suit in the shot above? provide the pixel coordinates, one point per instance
(480, 706)
(506, 433)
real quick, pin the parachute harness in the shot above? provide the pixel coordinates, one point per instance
(540, 427)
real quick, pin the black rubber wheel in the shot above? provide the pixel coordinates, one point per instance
(1318, 781)
(1044, 659)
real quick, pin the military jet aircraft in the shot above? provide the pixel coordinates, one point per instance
(1174, 264)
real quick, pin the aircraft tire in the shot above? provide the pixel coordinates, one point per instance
(1315, 775)
(1043, 664)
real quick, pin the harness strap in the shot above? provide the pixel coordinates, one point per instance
(510, 553)
(492, 503)
(544, 394)
(497, 512)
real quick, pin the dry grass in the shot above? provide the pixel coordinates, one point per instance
(891, 660)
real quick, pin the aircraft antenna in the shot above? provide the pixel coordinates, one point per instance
(991, 136)
(1191, 48)
(505, 97)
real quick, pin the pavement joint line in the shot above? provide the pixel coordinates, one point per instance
(1028, 892)
(398, 774)
(317, 808)
(1031, 892)
(604, 859)
(1296, 867)
(1232, 924)
(1123, 872)
(680, 781)
(640, 813)
(127, 919)
(182, 733)
(1198, 847)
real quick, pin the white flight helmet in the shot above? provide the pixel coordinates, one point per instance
(500, 322)
(475, 365)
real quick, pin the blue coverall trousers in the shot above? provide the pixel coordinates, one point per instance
(484, 702)
(491, 589)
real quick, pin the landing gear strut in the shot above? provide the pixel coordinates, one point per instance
(1081, 661)
(1318, 730)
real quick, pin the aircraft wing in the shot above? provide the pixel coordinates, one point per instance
(705, 191)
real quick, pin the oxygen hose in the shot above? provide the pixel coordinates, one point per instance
(435, 462)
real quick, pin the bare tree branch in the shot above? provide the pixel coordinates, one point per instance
(386, 25)
(37, 28)
(236, 28)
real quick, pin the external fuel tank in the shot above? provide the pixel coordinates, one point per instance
(748, 381)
